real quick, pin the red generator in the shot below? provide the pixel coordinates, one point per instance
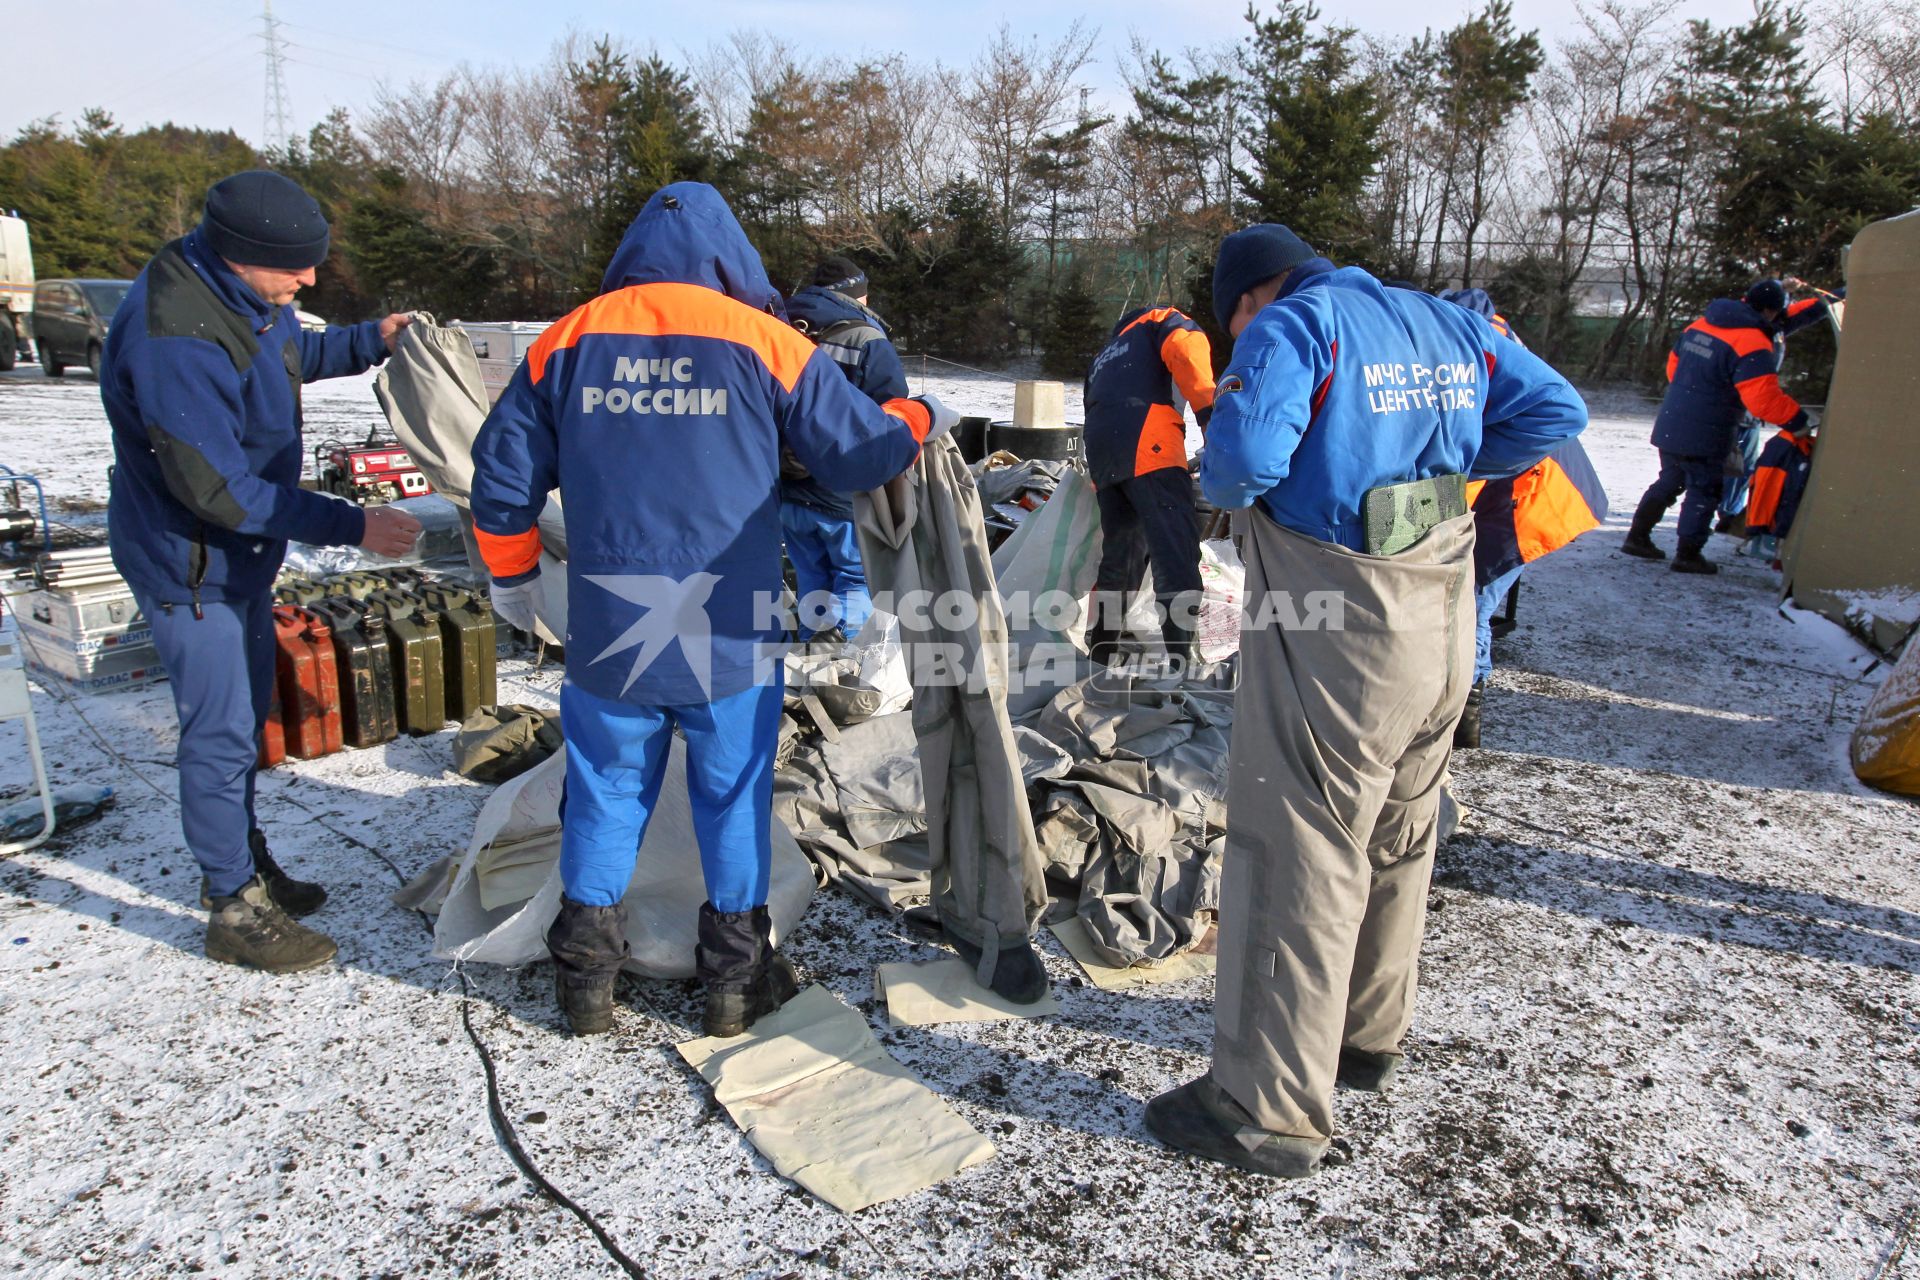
(307, 679)
(372, 472)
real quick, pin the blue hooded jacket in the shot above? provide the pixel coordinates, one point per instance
(201, 383)
(659, 410)
(1341, 385)
(856, 339)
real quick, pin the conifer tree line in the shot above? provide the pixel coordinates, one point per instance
(1602, 186)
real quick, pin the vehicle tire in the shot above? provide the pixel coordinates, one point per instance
(9, 346)
(49, 361)
(93, 360)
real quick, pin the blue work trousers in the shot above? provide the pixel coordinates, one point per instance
(616, 760)
(1487, 603)
(1702, 479)
(220, 668)
(829, 576)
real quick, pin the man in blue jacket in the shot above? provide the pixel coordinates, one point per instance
(1349, 420)
(660, 409)
(201, 380)
(1723, 366)
(817, 522)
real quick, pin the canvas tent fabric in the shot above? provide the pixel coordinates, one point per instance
(1854, 551)
(923, 533)
(435, 400)
(494, 902)
(1886, 744)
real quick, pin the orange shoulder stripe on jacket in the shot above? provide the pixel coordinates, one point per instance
(1189, 358)
(1743, 341)
(1763, 496)
(1154, 316)
(679, 310)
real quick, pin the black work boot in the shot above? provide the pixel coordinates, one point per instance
(1640, 534)
(1104, 629)
(1200, 1119)
(1689, 560)
(746, 978)
(1367, 1072)
(1466, 734)
(1018, 975)
(251, 930)
(1177, 632)
(588, 944)
(295, 897)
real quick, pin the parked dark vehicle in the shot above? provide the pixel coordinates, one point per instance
(70, 320)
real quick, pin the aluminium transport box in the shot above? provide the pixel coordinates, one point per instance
(500, 347)
(83, 613)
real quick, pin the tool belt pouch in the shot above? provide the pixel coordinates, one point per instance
(1398, 515)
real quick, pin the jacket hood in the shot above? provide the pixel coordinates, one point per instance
(686, 234)
(821, 307)
(1731, 313)
(1474, 300)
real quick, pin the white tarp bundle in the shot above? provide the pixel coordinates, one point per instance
(504, 891)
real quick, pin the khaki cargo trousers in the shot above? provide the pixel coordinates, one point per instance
(1341, 736)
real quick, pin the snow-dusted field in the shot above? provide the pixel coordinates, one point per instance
(1668, 1026)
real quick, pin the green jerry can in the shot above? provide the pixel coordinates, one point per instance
(365, 664)
(467, 642)
(358, 584)
(419, 674)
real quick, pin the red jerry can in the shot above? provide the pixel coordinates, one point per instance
(308, 682)
(273, 738)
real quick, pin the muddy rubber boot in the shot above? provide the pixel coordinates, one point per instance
(1018, 975)
(295, 897)
(250, 929)
(1466, 734)
(588, 945)
(746, 978)
(1367, 1072)
(1201, 1120)
(1689, 560)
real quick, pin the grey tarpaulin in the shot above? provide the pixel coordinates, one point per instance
(435, 401)
(923, 533)
(1339, 752)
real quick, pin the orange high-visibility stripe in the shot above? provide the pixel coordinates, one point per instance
(1673, 364)
(1548, 510)
(914, 414)
(1805, 304)
(1766, 401)
(1763, 496)
(1154, 316)
(1744, 341)
(1189, 358)
(509, 554)
(1163, 440)
(679, 310)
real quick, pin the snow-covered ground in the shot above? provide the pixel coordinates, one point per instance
(1668, 1025)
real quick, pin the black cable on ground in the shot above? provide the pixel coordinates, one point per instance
(503, 1129)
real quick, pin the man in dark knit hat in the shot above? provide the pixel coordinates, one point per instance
(817, 523)
(201, 381)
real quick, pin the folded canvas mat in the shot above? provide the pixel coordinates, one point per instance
(504, 891)
(924, 992)
(1075, 937)
(821, 1100)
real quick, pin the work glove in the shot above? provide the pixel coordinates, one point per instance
(1799, 424)
(515, 604)
(943, 419)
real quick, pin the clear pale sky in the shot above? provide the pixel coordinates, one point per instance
(200, 63)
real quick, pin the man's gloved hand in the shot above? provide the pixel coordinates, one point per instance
(389, 532)
(515, 604)
(943, 418)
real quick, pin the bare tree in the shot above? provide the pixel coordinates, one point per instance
(1010, 97)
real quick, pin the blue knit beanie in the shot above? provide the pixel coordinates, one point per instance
(264, 219)
(1248, 257)
(1767, 295)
